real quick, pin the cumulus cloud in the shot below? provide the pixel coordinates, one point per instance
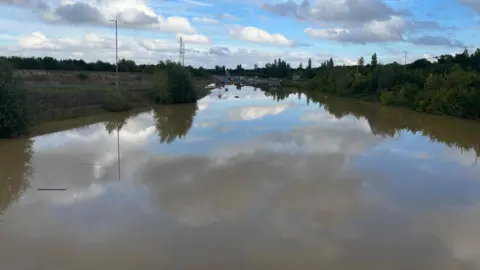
(436, 41)
(373, 31)
(36, 40)
(93, 47)
(39, 41)
(254, 34)
(129, 13)
(204, 20)
(219, 51)
(26, 3)
(194, 38)
(473, 4)
(158, 45)
(333, 10)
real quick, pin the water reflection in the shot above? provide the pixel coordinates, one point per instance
(117, 122)
(388, 121)
(15, 170)
(83, 156)
(335, 184)
(174, 121)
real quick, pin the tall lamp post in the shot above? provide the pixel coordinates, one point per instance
(116, 75)
(116, 51)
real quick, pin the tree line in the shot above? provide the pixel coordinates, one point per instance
(446, 86)
(278, 68)
(449, 86)
(389, 122)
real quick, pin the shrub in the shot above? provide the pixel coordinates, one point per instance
(116, 102)
(173, 84)
(82, 76)
(14, 117)
(387, 97)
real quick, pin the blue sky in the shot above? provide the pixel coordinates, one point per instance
(227, 32)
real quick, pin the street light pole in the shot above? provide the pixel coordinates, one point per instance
(116, 51)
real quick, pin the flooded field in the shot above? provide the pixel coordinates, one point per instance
(244, 180)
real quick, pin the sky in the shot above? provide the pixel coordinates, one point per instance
(248, 32)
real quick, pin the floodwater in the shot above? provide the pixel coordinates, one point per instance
(244, 180)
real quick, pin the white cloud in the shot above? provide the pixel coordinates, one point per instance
(204, 20)
(227, 16)
(92, 47)
(194, 38)
(39, 41)
(129, 13)
(158, 45)
(254, 34)
(372, 31)
(36, 40)
(198, 3)
(333, 10)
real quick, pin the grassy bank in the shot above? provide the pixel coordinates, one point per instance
(21, 106)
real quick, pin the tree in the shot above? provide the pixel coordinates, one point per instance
(374, 60)
(361, 61)
(309, 66)
(14, 116)
(330, 63)
(173, 84)
(300, 66)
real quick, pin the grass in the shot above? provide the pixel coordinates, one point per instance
(48, 103)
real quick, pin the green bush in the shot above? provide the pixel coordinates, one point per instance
(14, 117)
(82, 76)
(387, 98)
(450, 91)
(116, 102)
(173, 84)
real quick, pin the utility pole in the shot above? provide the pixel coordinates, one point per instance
(181, 57)
(116, 51)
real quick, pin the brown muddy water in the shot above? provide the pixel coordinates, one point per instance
(258, 181)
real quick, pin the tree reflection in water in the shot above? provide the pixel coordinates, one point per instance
(15, 170)
(174, 121)
(117, 122)
(389, 121)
